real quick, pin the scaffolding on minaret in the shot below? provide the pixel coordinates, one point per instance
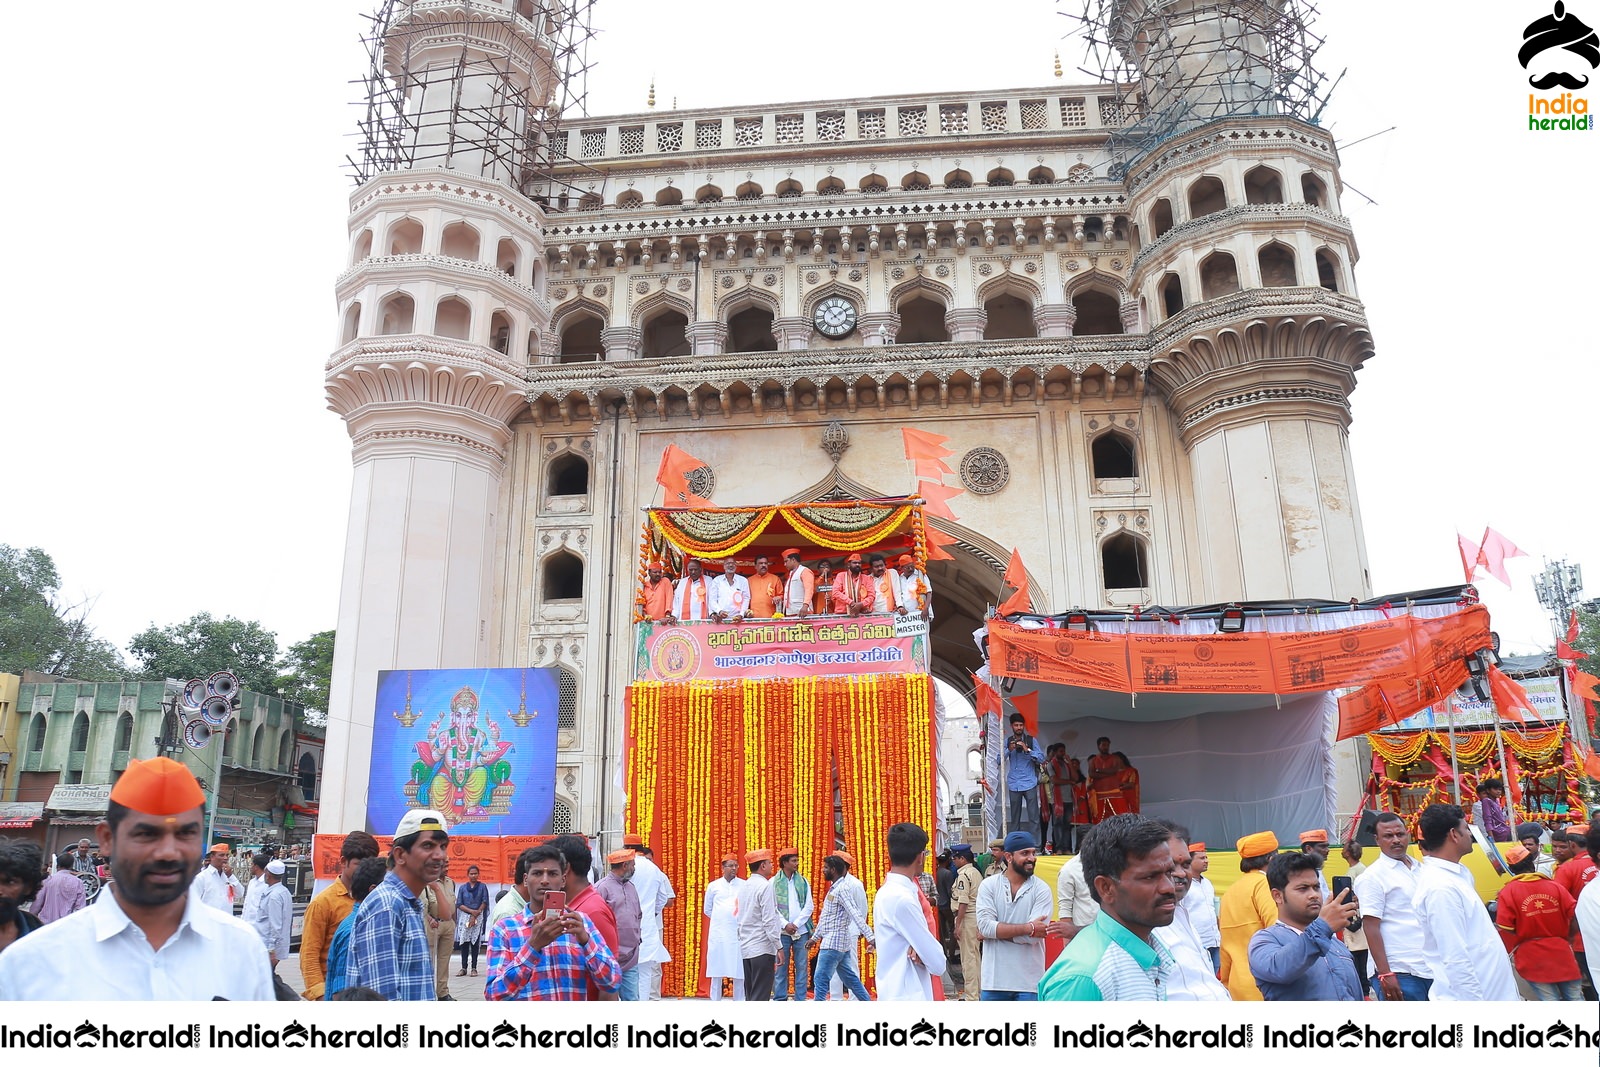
(483, 86)
(1179, 64)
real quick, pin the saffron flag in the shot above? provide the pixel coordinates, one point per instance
(931, 469)
(935, 495)
(1566, 652)
(920, 444)
(1572, 626)
(988, 700)
(1496, 549)
(1583, 683)
(673, 476)
(936, 540)
(1469, 557)
(1017, 578)
(1028, 705)
(1510, 701)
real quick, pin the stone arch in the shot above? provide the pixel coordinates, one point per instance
(1000, 176)
(36, 732)
(1041, 175)
(1263, 185)
(1314, 191)
(958, 179)
(306, 772)
(581, 305)
(630, 198)
(669, 196)
(874, 183)
(405, 237)
(748, 297)
(508, 256)
(285, 748)
(352, 322)
(1124, 561)
(1095, 279)
(659, 336)
(363, 246)
(1219, 275)
(1114, 453)
(748, 191)
(651, 305)
(567, 474)
(1329, 273)
(1160, 218)
(830, 186)
(1206, 196)
(460, 240)
(1015, 284)
(789, 188)
(833, 288)
(1010, 305)
(397, 313)
(923, 286)
(708, 194)
(1276, 262)
(916, 181)
(577, 329)
(561, 576)
(452, 317)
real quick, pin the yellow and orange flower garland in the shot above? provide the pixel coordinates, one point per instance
(718, 767)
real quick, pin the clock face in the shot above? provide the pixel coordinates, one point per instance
(834, 317)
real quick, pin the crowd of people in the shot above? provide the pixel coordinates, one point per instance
(1133, 906)
(856, 587)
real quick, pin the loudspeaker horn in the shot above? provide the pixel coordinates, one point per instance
(223, 684)
(216, 712)
(194, 693)
(196, 734)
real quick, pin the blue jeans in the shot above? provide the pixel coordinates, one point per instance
(1572, 990)
(1022, 811)
(1216, 958)
(1006, 994)
(1411, 986)
(829, 962)
(630, 984)
(792, 950)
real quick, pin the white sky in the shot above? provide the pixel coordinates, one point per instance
(178, 220)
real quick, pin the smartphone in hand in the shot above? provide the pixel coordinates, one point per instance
(1341, 882)
(555, 902)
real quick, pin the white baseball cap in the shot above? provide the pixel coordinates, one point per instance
(276, 867)
(419, 819)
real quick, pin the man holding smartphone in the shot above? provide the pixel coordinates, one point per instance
(1300, 956)
(548, 951)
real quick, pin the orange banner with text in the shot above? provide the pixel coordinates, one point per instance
(495, 857)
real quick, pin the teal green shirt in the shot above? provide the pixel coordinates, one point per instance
(1107, 962)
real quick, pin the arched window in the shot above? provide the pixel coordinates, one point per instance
(590, 202)
(631, 198)
(1218, 276)
(229, 746)
(508, 256)
(1312, 191)
(1171, 294)
(258, 736)
(36, 732)
(1098, 314)
(500, 332)
(352, 323)
(1160, 218)
(748, 191)
(958, 179)
(1010, 316)
(285, 749)
(1041, 176)
(1263, 185)
(916, 181)
(1002, 177)
(1277, 265)
(568, 475)
(308, 776)
(665, 335)
(1114, 455)
(580, 339)
(405, 238)
(669, 196)
(830, 186)
(80, 733)
(563, 577)
(1206, 196)
(789, 188)
(124, 740)
(459, 241)
(921, 322)
(397, 315)
(363, 247)
(561, 821)
(751, 331)
(453, 318)
(1327, 270)
(708, 194)
(874, 183)
(1123, 562)
(566, 699)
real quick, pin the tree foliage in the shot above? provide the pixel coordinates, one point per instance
(307, 670)
(40, 633)
(204, 644)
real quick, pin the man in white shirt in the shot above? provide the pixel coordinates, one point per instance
(215, 884)
(252, 891)
(1200, 902)
(885, 587)
(798, 587)
(1013, 915)
(909, 954)
(721, 907)
(655, 893)
(916, 592)
(730, 594)
(1397, 966)
(1194, 976)
(691, 601)
(760, 926)
(1589, 905)
(1075, 906)
(792, 897)
(275, 913)
(1459, 941)
(153, 833)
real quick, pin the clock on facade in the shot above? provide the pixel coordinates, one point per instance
(834, 317)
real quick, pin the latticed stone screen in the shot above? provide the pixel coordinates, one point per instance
(1113, 112)
(594, 142)
(1073, 113)
(558, 143)
(953, 118)
(747, 132)
(1034, 115)
(870, 125)
(708, 135)
(790, 129)
(669, 137)
(994, 116)
(830, 125)
(913, 121)
(631, 140)
(1080, 173)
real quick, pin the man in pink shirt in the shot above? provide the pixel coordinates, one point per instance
(62, 893)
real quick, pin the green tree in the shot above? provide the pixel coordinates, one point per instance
(203, 644)
(38, 632)
(307, 670)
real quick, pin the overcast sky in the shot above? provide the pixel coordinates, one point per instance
(178, 219)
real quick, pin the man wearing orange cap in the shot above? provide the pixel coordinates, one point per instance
(799, 588)
(657, 593)
(760, 926)
(1246, 908)
(721, 909)
(215, 883)
(1534, 916)
(1315, 843)
(852, 590)
(916, 592)
(1201, 904)
(153, 832)
(617, 890)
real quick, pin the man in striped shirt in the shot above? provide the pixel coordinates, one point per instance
(539, 955)
(1127, 862)
(841, 925)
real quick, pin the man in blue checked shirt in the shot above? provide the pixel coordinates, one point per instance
(389, 944)
(539, 955)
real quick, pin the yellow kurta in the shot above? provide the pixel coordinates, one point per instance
(1246, 907)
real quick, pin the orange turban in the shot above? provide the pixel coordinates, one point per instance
(220, 846)
(1314, 837)
(729, 857)
(849, 860)
(855, 557)
(1516, 854)
(621, 855)
(1260, 844)
(629, 840)
(788, 850)
(755, 856)
(1198, 846)
(158, 786)
(905, 559)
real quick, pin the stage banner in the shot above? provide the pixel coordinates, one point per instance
(1214, 663)
(779, 648)
(1449, 639)
(495, 857)
(479, 746)
(1318, 660)
(1067, 657)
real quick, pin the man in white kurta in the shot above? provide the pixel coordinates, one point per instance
(655, 893)
(916, 592)
(909, 954)
(691, 601)
(730, 594)
(275, 913)
(721, 907)
(1459, 940)
(1193, 976)
(215, 883)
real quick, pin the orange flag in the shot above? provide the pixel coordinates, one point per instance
(988, 700)
(1567, 652)
(1028, 705)
(673, 476)
(1497, 548)
(1469, 556)
(1572, 626)
(1583, 683)
(932, 469)
(1510, 700)
(1017, 578)
(934, 495)
(920, 444)
(936, 540)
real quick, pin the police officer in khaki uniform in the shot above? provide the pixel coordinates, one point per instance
(964, 899)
